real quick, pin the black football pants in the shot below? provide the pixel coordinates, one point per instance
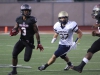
(95, 47)
(19, 46)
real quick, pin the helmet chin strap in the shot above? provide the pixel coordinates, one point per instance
(26, 16)
(63, 22)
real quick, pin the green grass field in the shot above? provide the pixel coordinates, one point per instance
(39, 58)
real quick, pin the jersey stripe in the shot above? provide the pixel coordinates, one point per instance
(74, 28)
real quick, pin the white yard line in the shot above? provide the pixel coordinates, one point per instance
(53, 70)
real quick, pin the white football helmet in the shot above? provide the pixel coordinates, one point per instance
(63, 14)
(96, 10)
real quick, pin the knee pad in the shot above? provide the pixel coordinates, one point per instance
(63, 56)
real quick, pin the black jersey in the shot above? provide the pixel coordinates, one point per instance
(98, 18)
(26, 27)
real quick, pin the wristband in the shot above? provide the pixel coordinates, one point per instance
(53, 40)
(77, 40)
(38, 42)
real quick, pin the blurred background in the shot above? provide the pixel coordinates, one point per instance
(46, 11)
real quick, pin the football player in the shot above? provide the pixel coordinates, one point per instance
(65, 29)
(95, 47)
(28, 27)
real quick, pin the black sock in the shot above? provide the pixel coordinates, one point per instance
(69, 64)
(82, 64)
(14, 69)
(46, 65)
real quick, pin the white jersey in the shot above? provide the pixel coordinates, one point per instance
(66, 33)
(98, 27)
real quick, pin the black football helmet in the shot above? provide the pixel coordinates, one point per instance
(26, 7)
(96, 11)
(63, 14)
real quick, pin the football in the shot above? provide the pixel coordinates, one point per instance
(14, 32)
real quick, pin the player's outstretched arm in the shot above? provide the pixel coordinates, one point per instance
(54, 38)
(74, 45)
(39, 46)
(79, 35)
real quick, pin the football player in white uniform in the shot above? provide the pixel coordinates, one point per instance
(95, 47)
(65, 29)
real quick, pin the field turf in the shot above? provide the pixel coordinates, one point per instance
(39, 58)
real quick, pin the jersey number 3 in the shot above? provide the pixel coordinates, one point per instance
(23, 31)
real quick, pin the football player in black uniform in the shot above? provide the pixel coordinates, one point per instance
(27, 25)
(96, 45)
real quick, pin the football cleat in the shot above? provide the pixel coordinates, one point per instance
(13, 73)
(42, 68)
(68, 67)
(77, 68)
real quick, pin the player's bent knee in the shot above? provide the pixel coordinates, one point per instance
(53, 57)
(91, 51)
(26, 60)
(63, 56)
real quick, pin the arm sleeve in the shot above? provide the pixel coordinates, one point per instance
(55, 28)
(17, 20)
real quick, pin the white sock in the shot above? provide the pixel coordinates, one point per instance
(85, 60)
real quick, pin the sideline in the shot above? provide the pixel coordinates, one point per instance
(45, 32)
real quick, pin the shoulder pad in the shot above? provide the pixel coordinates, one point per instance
(18, 18)
(33, 19)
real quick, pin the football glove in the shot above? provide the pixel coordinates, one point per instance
(40, 47)
(73, 46)
(14, 32)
